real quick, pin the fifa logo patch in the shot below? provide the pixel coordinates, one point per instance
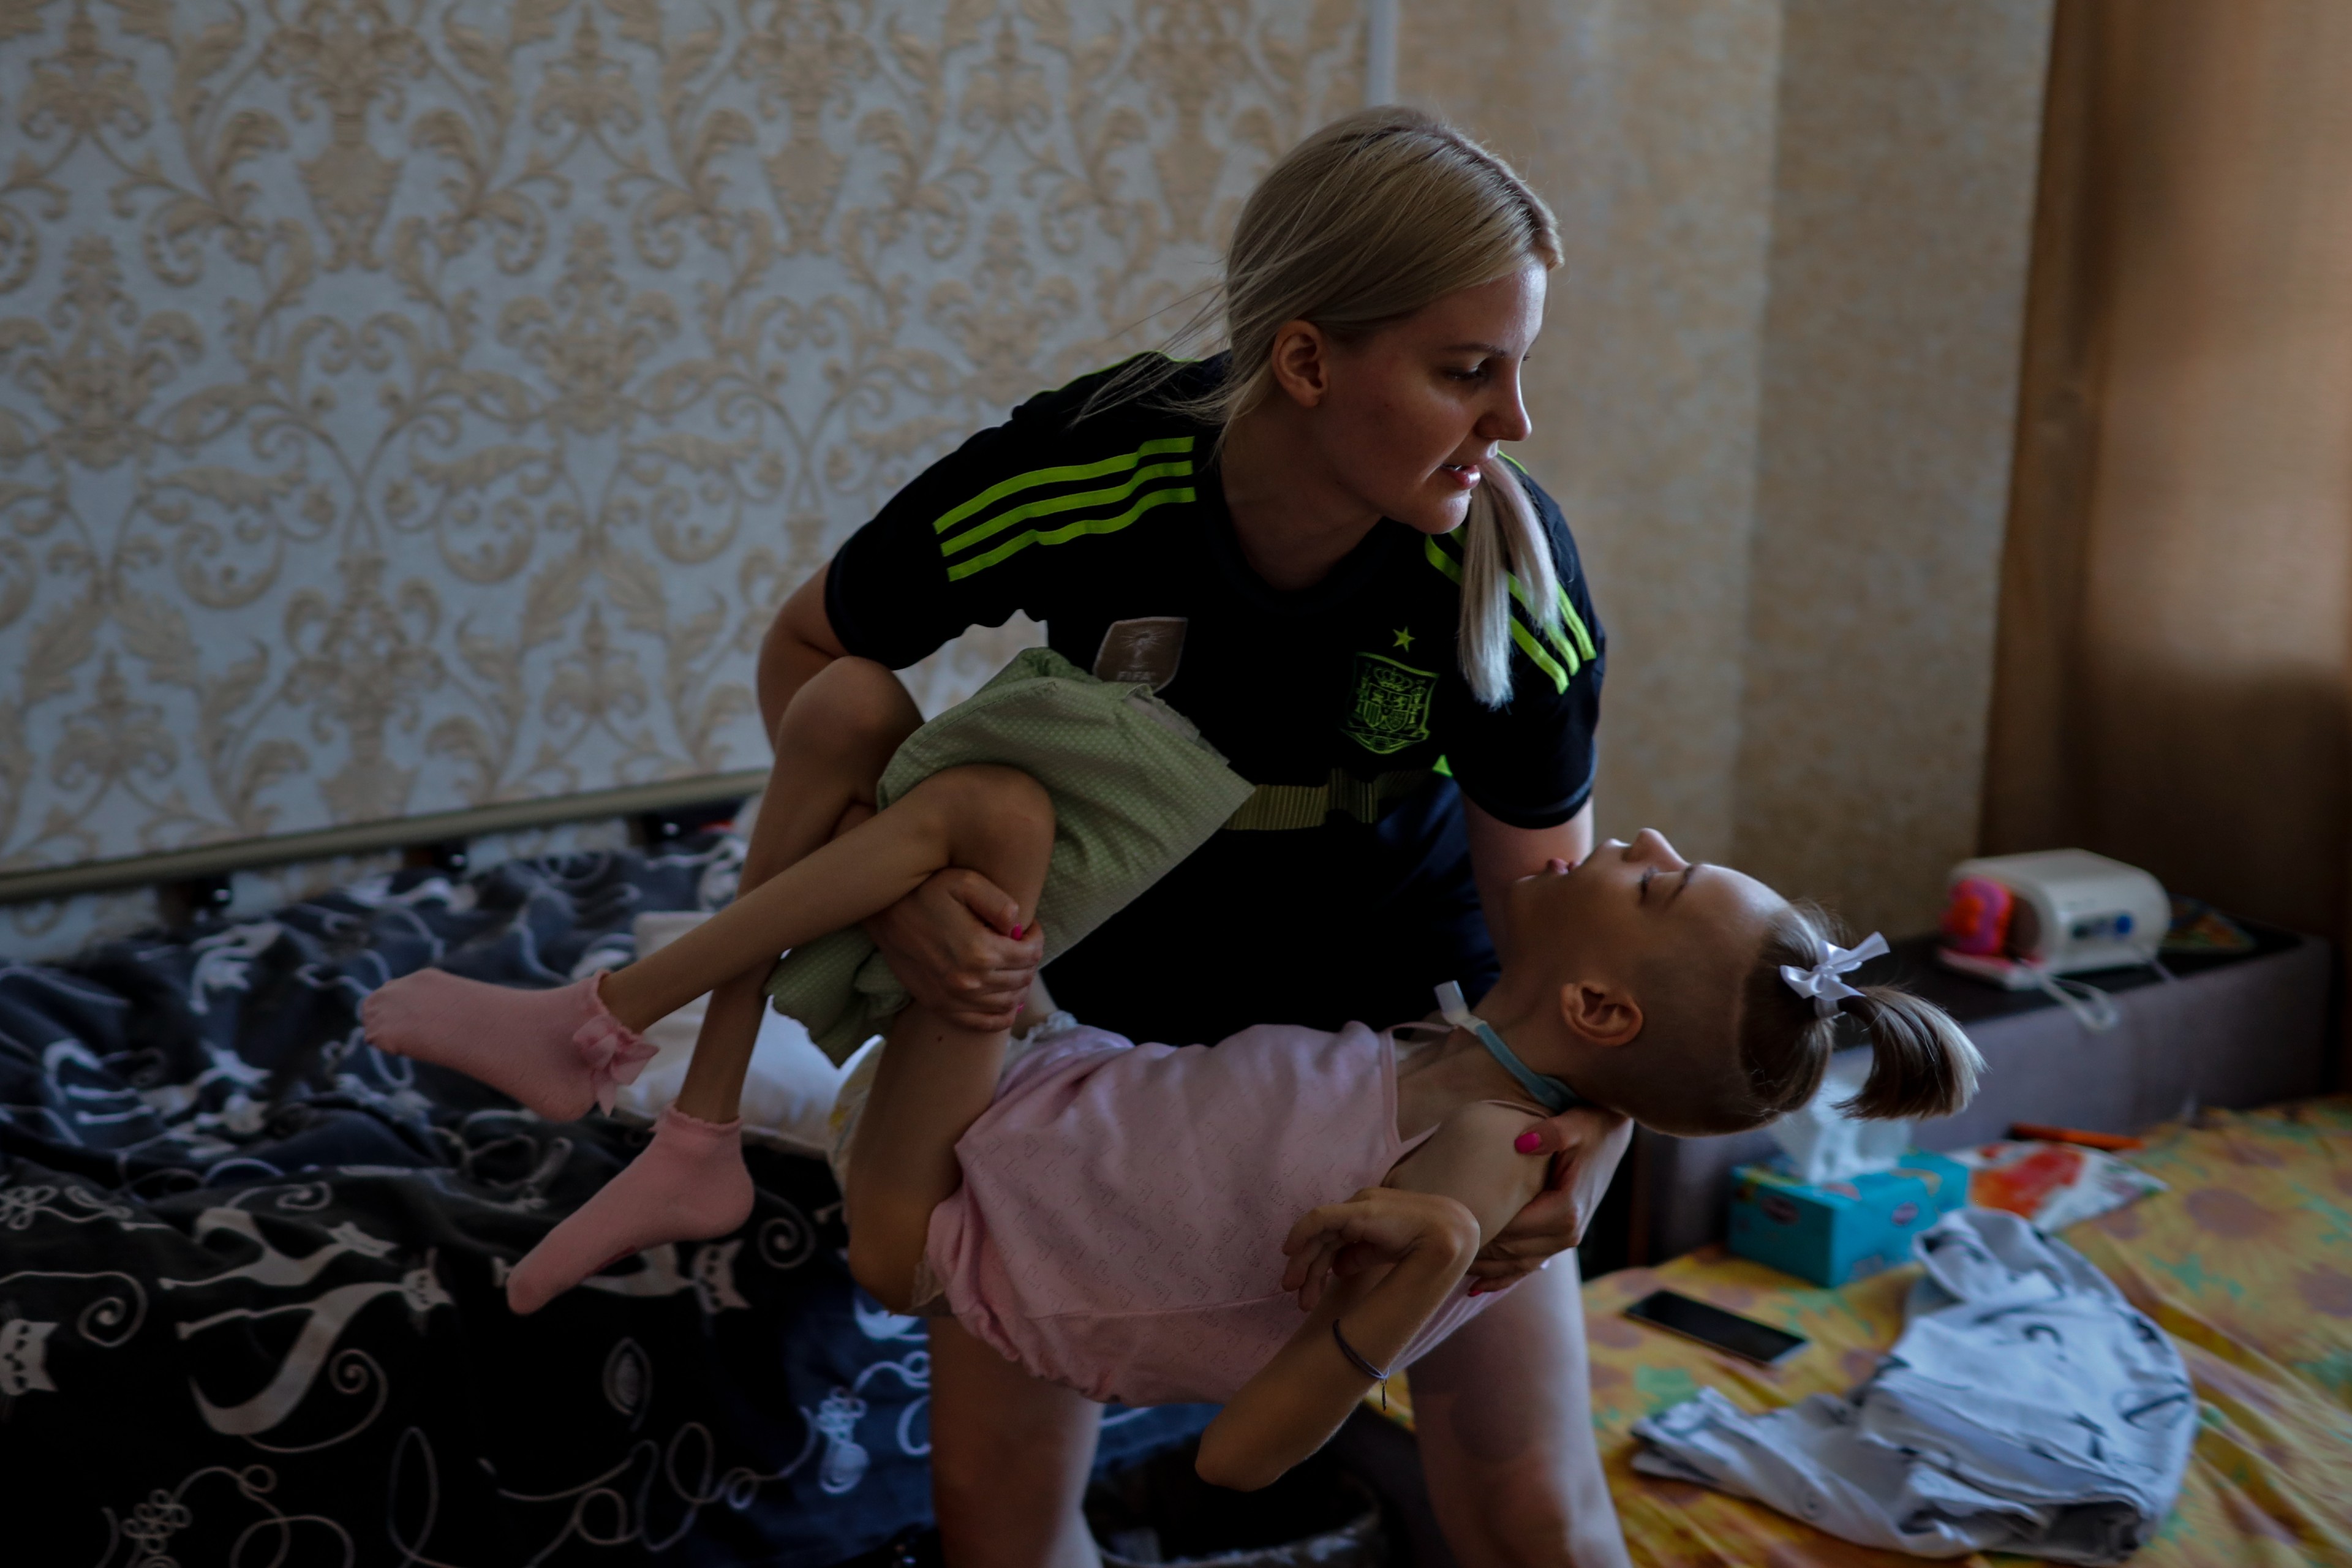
(1389, 708)
(1146, 649)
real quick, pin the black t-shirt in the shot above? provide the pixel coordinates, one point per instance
(1342, 890)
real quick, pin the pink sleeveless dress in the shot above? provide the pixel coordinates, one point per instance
(1120, 1226)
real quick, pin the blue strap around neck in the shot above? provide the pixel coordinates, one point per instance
(1548, 1093)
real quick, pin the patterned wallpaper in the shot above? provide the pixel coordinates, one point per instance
(409, 407)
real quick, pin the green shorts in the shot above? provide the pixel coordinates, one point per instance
(1135, 790)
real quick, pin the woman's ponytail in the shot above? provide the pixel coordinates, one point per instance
(1921, 1063)
(1502, 538)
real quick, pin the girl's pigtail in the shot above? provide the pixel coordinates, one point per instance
(1922, 1063)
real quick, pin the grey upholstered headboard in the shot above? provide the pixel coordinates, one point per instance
(2239, 1033)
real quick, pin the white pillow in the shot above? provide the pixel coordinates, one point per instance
(788, 1093)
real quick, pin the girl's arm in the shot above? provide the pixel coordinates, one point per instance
(1380, 1265)
(1298, 1399)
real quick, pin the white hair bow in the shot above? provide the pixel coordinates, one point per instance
(1821, 983)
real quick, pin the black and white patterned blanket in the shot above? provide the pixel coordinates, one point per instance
(251, 1272)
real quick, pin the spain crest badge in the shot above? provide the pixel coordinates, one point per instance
(1389, 708)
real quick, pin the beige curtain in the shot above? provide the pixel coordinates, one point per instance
(2176, 636)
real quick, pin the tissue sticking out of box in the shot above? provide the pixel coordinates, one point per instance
(1825, 1144)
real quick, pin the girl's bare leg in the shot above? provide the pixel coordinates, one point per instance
(979, 818)
(1010, 1457)
(690, 1181)
(931, 1083)
(1503, 1413)
(935, 1077)
(836, 736)
(833, 742)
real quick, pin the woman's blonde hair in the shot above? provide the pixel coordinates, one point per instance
(1365, 222)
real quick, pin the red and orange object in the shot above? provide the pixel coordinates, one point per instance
(2114, 1142)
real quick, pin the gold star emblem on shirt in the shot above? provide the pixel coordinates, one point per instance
(1404, 639)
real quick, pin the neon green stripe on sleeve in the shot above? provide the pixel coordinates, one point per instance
(1535, 650)
(1568, 625)
(1445, 563)
(1068, 532)
(1067, 502)
(1560, 631)
(1070, 474)
(1575, 624)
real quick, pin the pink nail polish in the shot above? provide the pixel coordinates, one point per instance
(1017, 930)
(1528, 1142)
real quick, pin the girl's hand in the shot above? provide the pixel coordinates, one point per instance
(949, 942)
(1379, 1225)
(1586, 1142)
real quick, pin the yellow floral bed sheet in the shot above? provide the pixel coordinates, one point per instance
(2246, 1262)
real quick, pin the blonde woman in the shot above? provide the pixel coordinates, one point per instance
(1310, 546)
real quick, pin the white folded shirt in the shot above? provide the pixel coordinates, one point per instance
(2028, 1407)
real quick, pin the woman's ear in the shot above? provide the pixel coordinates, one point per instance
(1301, 363)
(1600, 1013)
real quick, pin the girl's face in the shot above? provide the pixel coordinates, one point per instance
(1408, 412)
(1627, 903)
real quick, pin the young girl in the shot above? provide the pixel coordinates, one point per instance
(1149, 1223)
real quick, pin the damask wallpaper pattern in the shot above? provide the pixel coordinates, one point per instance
(405, 407)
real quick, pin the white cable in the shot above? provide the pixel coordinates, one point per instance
(2093, 1008)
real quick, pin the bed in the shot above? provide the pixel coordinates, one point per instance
(251, 1270)
(2246, 1261)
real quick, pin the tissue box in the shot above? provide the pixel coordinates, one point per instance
(1836, 1231)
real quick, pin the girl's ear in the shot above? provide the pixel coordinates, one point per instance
(1301, 363)
(1599, 1013)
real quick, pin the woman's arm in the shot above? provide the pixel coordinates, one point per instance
(1501, 855)
(1590, 1141)
(1408, 1244)
(799, 643)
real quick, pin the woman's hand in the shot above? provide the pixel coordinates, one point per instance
(1587, 1144)
(1379, 1225)
(947, 943)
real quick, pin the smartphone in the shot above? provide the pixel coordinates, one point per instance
(1712, 1326)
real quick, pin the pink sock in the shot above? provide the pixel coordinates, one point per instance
(558, 1052)
(687, 1185)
